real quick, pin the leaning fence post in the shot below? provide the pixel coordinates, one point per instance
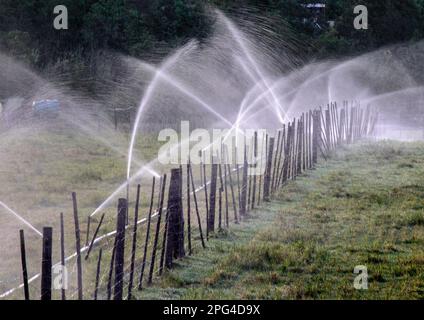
(24, 265)
(227, 158)
(199, 222)
(273, 175)
(46, 264)
(90, 247)
(120, 248)
(279, 155)
(77, 246)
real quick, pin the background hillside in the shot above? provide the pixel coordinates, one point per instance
(138, 27)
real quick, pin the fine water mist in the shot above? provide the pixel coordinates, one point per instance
(233, 79)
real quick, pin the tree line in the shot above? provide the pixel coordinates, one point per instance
(137, 27)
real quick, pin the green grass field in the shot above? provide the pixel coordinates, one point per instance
(365, 206)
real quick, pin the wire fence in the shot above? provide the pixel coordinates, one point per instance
(185, 212)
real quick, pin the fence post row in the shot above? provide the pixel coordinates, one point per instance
(293, 151)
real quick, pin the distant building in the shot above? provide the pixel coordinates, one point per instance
(318, 6)
(318, 15)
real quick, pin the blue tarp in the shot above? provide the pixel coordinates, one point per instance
(45, 105)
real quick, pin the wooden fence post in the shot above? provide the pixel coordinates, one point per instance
(255, 157)
(146, 241)
(88, 230)
(96, 286)
(62, 252)
(134, 243)
(280, 170)
(293, 151)
(199, 222)
(221, 190)
(212, 198)
(24, 264)
(164, 239)
(341, 125)
(244, 184)
(280, 155)
(250, 162)
(300, 147)
(155, 243)
(261, 166)
(94, 236)
(175, 232)
(238, 179)
(227, 221)
(188, 209)
(273, 175)
(227, 158)
(77, 246)
(287, 149)
(120, 248)
(311, 138)
(46, 264)
(268, 170)
(110, 276)
(315, 139)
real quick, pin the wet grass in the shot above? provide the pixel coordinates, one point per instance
(365, 206)
(39, 169)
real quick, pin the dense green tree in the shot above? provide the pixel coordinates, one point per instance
(136, 26)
